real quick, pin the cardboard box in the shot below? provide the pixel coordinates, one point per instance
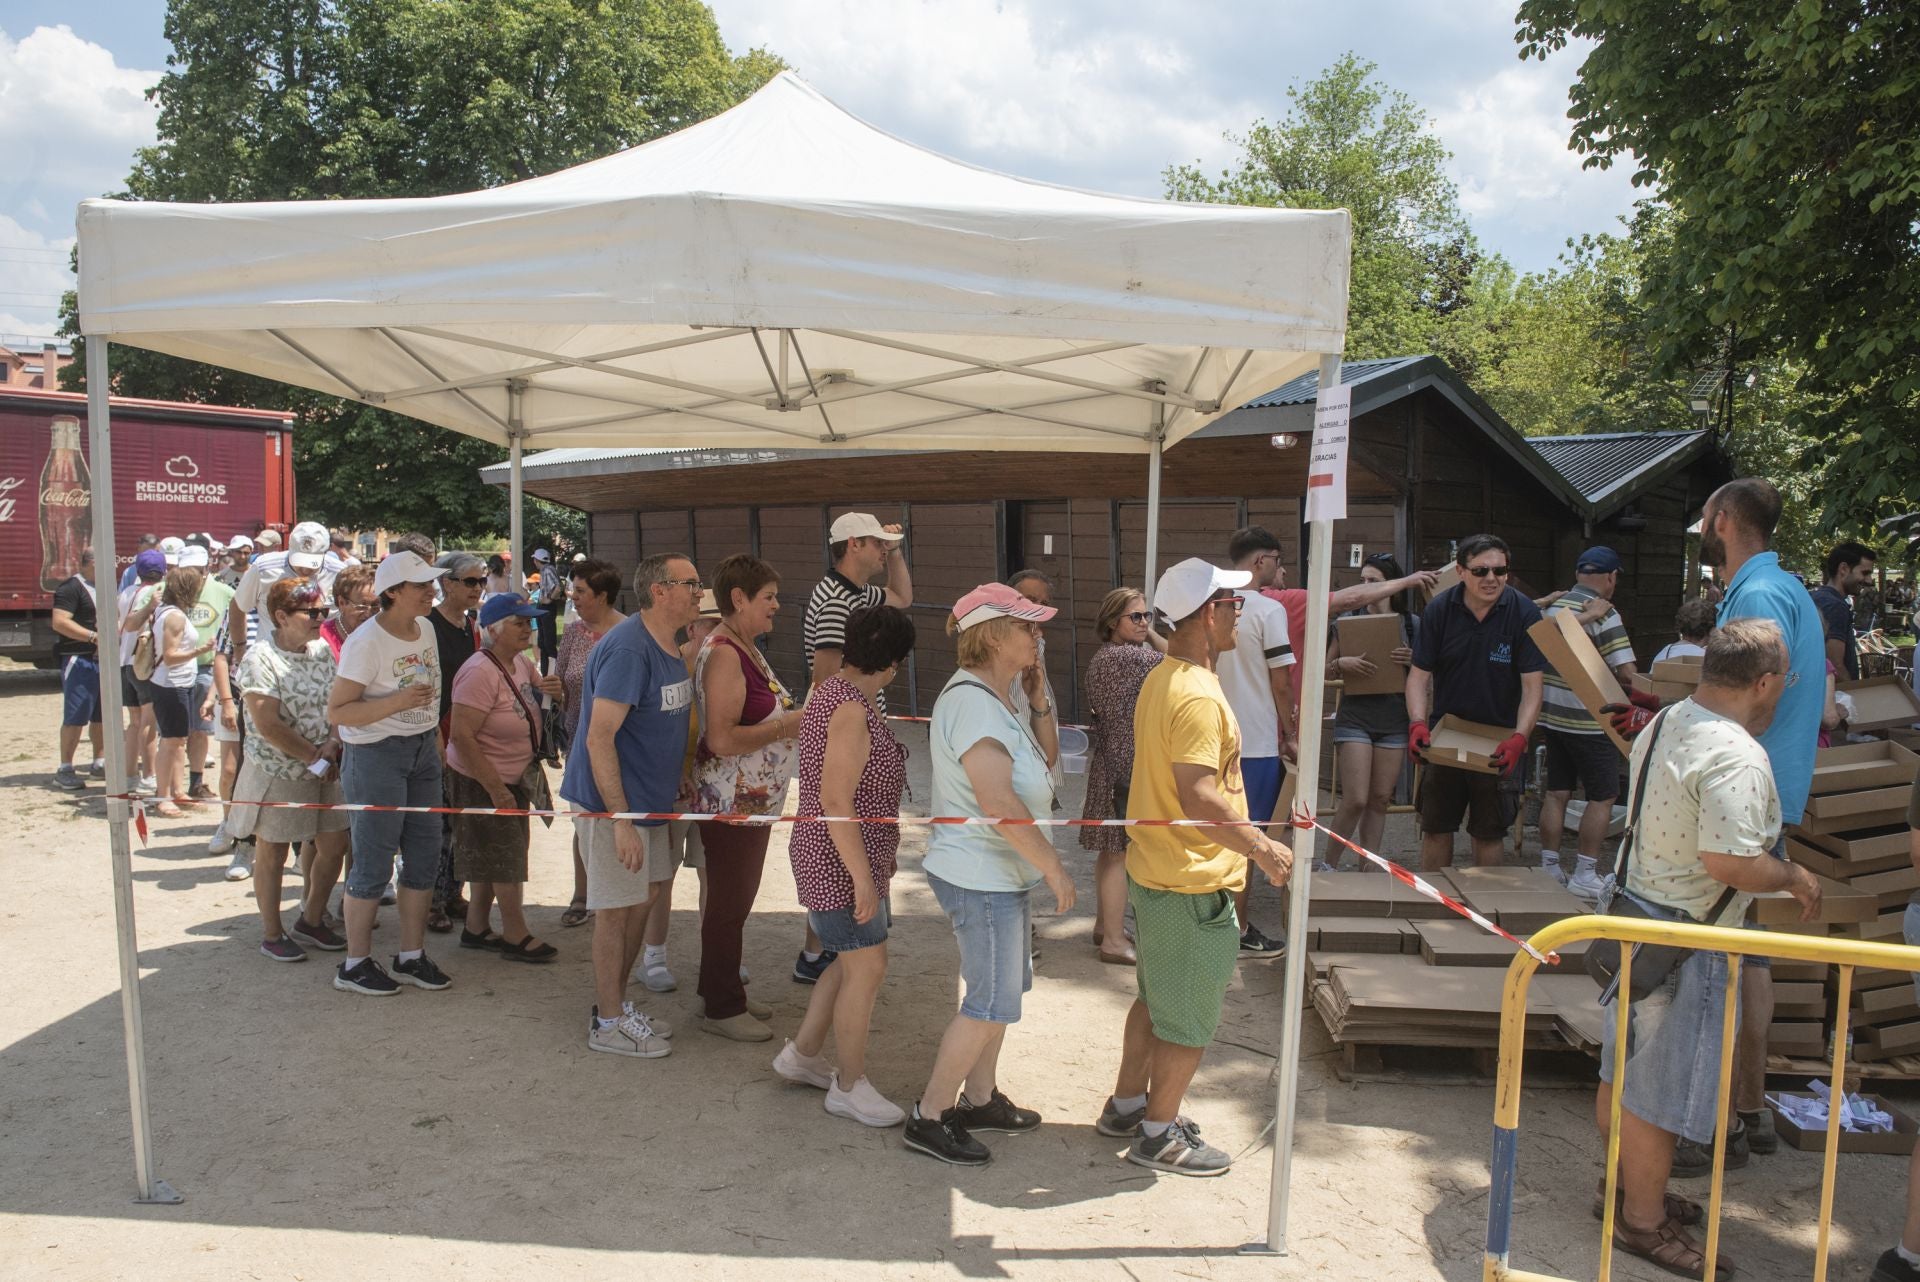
(1839, 902)
(1367, 894)
(1874, 978)
(1898, 1142)
(1461, 943)
(1525, 911)
(1664, 691)
(1869, 801)
(1802, 1039)
(1799, 972)
(1364, 935)
(1684, 670)
(1887, 845)
(1466, 745)
(1885, 1041)
(1889, 926)
(1817, 860)
(1885, 817)
(1799, 1000)
(1880, 1001)
(1376, 636)
(1573, 656)
(1882, 703)
(1855, 766)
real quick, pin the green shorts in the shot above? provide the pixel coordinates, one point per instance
(1188, 947)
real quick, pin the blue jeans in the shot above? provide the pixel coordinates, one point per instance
(994, 929)
(400, 770)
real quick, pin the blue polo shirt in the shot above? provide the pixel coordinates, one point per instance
(1762, 590)
(628, 666)
(1476, 663)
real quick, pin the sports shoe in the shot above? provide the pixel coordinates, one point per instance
(203, 792)
(1257, 945)
(422, 973)
(283, 950)
(738, 1028)
(1586, 884)
(69, 778)
(320, 936)
(1124, 1126)
(1691, 1160)
(147, 786)
(98, 770)
(808, 1070)
(628, 1035)
(1180, 1151)
(240, 867)
(1890, 1267)
(367, 978)
(863, 1104)
(945, 1140)
(1550, 863)
(390, 895)
(998, 1114)
(808, 972)
(661, 1028)
(759, 1010)
(222, 841)
(1762, 1139)
(657, 978)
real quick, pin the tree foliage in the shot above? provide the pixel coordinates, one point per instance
(329, 99)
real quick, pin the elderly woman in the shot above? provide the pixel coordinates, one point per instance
(384, 705)
(595, 587)
(291, 756)
(493, 759)
(850, 764)
(987, 762)
(1129, 649)
(1370, 730)
(353, 605)
(177, 648)
(741, 766)
(459, 640)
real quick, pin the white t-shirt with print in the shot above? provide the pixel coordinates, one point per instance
(384, 663)
(1261, 645)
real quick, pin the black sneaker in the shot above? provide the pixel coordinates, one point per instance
(365, 978)
(945, 1140)
(998, 1114)
(1255, 944)
(809, 972)
(1124, 1126)
(421, 971)
(1891, 1268)
(1178, 1151)
(1762, 1139)
(1691, 1161)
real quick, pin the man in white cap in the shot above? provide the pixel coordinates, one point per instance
(1182, 881)
(239, 554)
(266, 540)
(171, 547)
(859, 548)
(304, 558)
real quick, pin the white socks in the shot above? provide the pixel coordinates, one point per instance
(410, 954)
(652, 955)
(1131, 1104)
(1587, 866)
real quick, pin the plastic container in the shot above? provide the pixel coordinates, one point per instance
(1073, 750)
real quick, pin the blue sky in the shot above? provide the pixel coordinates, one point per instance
(1093, 93)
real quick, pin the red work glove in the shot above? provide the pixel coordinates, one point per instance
(1508, 754)
(1630, 718)
(1418, 740)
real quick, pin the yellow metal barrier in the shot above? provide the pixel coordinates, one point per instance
(1844, 953)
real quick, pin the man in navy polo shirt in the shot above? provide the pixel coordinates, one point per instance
(1474, 660)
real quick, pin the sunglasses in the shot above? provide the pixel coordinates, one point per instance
(1233, 599)
(1482, 571)
(474, 583)
(1138, 616)
(316, 615)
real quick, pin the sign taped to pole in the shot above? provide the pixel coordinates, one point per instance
(1327, 462)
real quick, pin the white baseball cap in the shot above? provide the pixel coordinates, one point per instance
(307, 545)
(193, 557)
(860, 525)
(1190, 584)
(239, 541)
(171, 548)
(269, 539)
(401, 567)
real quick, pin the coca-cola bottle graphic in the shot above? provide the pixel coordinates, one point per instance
(66, 505)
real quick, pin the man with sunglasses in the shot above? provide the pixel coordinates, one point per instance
(1473, 660)
(304, 558)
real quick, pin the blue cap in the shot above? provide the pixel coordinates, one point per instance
(151, 564)
(503, 604)
(1600, 560)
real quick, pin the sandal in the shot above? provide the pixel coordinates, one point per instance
(521, 952)
(1669, 1247)
(1679, 1209)
(438, 922)
(186, 803)
(167, 810)
(576, 914)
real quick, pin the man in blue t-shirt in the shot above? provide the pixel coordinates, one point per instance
(1473, 660)
(1847, 570)
(636, 704)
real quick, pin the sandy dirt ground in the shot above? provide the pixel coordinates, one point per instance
(320, 1135)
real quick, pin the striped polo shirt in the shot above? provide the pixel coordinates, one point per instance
(1561, 708)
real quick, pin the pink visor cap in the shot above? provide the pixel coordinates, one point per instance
(992, 601)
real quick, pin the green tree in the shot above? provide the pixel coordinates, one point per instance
(329, 99)
(1348, 141)
(1785, 137)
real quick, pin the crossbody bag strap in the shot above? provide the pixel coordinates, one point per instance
(1631, 836)
(533, 731)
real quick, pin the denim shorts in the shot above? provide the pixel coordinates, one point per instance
(1673, 1056)
(400, 770)
(841, 933)
(995, 932)
(1360, 734)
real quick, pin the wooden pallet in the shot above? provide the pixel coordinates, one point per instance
(1901, 1068)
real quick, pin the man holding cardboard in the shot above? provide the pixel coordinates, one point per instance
(1474, 662)
(1578, 750)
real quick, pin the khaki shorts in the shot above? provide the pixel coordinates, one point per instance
(610, 883)
(688, 850)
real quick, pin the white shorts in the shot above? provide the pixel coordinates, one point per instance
(610, 883)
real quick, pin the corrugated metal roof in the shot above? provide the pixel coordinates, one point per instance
(1599, 464)
(1302, 390)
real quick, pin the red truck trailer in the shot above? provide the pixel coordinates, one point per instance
(177, 469)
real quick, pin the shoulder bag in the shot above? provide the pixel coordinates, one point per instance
(532, 780)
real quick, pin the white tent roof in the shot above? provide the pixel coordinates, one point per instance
(780, 274)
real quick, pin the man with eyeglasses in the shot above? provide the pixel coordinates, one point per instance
(304, 558)
(1473, 660)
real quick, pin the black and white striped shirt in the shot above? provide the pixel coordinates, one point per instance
(834, 600)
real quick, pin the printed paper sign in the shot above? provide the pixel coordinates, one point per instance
(1327, 465)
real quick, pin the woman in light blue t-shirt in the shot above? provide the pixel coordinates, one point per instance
(988, 761)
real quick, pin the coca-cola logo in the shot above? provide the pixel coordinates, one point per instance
(71, 497)
(8, 484)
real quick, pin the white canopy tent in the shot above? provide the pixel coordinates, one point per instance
(780, 275)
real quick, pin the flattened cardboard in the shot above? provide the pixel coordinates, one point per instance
(1839, 902)
(1888, 926)
(1365, 935)
(1684, 670)
(1878, 1001)
(1871, 980)
(1377, 636)
(1817, 860)
(1851, 767)
(1664, 691)
(1869, 801)
(1887, 844)
(1525, 911)
(1367, 894)
(1799, 1000)
(1882, 703)
(1885, 817)
(1505, 877)
(1467, 745)
(1461, 943)
(1885, 1041)
(1898, 1142)
(1800, 1038)
(1573, 656)
(1799, 972)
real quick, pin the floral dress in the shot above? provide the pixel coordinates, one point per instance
(1113, 684)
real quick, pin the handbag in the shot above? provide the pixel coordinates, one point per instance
(146, 649)
(747, 783)
(1652, 963)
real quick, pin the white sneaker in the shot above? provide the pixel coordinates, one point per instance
(863, 1104)
(1586, 884)
(240, 867)
(661, 1028)
(631, 1034)
(656, 977)
(221, 841)
(147, 786)
(808, 1070)
(1550, 863)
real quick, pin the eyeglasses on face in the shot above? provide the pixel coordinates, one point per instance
(1788, 680)
(1233, 599)
(1482, 571)
(1138, 616)
(693, 585)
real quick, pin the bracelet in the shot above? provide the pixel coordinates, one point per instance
(1041, 712)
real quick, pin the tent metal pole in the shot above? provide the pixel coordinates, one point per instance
(516, 495)
(1153, 503)
(152, 1188)
(1312, 674)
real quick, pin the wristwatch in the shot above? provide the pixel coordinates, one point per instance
(1041, 712)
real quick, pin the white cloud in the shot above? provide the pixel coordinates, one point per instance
(34, 269)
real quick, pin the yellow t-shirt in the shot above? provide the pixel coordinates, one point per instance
(1182, 716)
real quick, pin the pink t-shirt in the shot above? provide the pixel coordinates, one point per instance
(503, 733)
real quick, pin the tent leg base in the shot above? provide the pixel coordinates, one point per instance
(1260, 1248)
(162, 1195)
